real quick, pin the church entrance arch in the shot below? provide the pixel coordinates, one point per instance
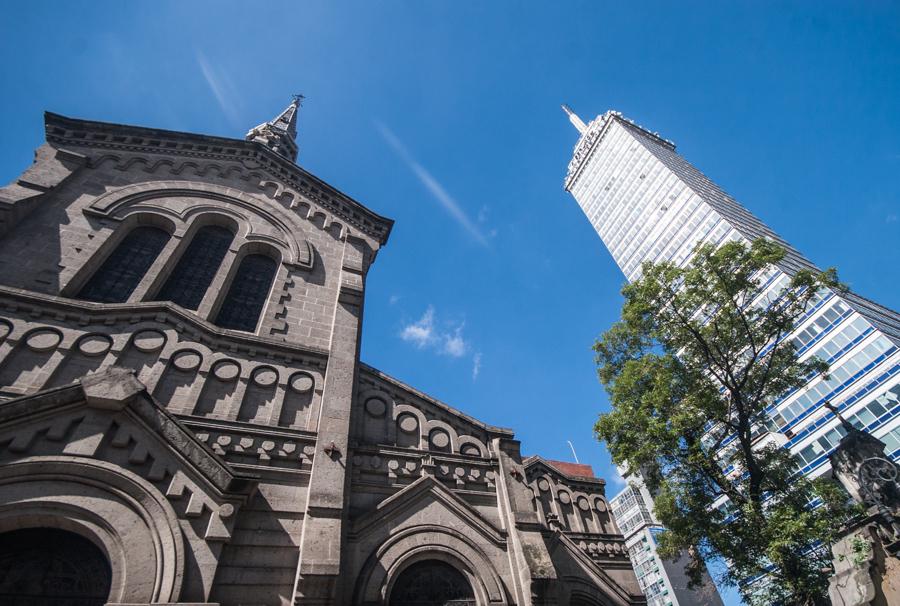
(432, 583)
(52, 567)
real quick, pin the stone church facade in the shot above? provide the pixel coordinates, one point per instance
(184, 417)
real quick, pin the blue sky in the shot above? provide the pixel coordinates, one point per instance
(445, 117)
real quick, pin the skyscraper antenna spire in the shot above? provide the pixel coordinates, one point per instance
(574, 119)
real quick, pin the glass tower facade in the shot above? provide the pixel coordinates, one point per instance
(647, 203)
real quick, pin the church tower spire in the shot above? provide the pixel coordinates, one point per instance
(280, 134)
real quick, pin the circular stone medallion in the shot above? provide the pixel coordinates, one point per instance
(583, 504)
(543, 485)
(94, 345)
(226, 370)
(376, 407)
(149, 340)
(43, 340)
(564, 498)
(5, 329)
(601, 506)
(265, 376)
(408, 424)
(301, 382)
(186, 360)
(440, 439)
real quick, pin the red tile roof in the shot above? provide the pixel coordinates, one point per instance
(580, 470)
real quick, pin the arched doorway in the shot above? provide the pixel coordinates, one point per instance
(50, 567)
(432, 583)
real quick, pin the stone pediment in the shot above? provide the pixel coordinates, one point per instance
(205, 154)
(109, 416)
(581, 575)
(431, 501)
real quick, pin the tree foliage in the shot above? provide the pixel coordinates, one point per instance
(690, 368)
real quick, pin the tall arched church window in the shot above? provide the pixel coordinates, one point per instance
(432, 583)
(197, 267)
(248, 293)
(125, 266)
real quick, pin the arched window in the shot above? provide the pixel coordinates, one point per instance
(197, 267)
(47, 567)
(125, 266)
(248, 293)
(432, 583)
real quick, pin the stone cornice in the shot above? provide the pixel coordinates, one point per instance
(82, 312)
(154, 417)
(497, 432)
(61, 130)
(535, 461)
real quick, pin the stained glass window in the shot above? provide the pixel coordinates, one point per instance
(125, 266)
(197, 267)
(432, 583)
(248, 293)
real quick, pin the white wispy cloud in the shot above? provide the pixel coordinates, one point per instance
(476, 365)
(432, 185)
(421, 332)
(222, 88)
(453, 343)
(425, 333)
(393, 299)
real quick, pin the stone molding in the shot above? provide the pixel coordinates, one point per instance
(120, 203)
(375, 380)
(77, 312)
(111, 506)
(432, 542)
(249, 159)
(271, 449)
(614, 594)
(426, 488)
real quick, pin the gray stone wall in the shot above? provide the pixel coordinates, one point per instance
(60, 244)
(279, 469)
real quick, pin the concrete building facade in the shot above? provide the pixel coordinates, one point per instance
(663, 582)
(184, 417)
(647, 203)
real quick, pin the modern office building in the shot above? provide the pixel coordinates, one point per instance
(662, 581)
(647, 203)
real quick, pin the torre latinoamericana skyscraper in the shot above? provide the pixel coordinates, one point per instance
(647, 203)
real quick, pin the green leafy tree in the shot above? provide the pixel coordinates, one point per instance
(690, 369)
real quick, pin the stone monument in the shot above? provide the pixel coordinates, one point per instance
(866, 563)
